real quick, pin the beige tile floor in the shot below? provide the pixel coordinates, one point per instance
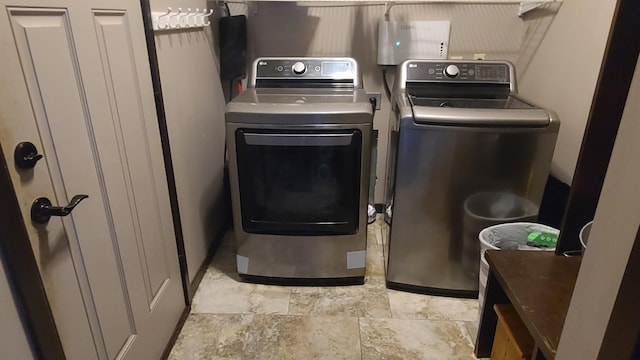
(234, 320)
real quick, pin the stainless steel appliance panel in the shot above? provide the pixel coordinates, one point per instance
(436, 169)
(299, 141)
(302, 256)
(299, 106)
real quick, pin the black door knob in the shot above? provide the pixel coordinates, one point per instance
(26, 155)
(42, 211)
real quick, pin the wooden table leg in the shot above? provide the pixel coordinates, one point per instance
(494, 294)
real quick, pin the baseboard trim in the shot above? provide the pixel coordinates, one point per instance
(197, 279)
(176, 333)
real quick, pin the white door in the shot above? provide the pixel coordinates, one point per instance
(14, 341)
(75, 82)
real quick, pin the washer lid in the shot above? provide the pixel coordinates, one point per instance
(510, 102)
(535, 117)
(510, 111)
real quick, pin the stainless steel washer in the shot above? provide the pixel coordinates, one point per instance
(299, 141)
(465, 152)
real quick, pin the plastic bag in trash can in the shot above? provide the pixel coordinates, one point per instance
(514, 236)
(510, 236)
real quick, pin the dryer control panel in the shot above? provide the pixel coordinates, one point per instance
(309, 69)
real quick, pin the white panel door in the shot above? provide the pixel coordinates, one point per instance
(14, 341)
(75, 82)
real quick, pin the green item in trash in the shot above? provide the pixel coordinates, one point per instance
(542, 239)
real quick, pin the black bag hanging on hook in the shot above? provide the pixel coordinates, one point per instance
(233, 47)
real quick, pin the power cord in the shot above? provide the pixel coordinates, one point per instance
(374, 105)
(227, 8)
(387, 90)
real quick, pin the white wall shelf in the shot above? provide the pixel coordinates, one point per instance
(392, 2)
(525, 5)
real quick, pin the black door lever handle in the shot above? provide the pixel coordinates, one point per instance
(42, 211)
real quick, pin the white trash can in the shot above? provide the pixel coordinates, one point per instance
(485, 209)
(511, 236)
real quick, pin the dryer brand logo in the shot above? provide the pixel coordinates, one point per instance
(262, 63)
(407, 27)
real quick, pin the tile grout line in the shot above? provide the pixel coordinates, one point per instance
(360, 338)
(289, 302)
(468, 332)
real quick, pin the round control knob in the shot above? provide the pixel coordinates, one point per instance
(299, 68)
(451, 71)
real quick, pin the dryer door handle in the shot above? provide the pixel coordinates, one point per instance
(298, 139)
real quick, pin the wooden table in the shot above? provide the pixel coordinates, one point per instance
(539, 285)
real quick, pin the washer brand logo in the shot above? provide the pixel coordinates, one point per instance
(262, 63)
(407, 26)
(413, 65)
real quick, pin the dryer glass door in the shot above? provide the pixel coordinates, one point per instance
(299, 182)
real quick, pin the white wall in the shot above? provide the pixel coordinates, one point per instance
(610, 242)
(14, 343)
(194, 107)
(288, 29)
(563, 73)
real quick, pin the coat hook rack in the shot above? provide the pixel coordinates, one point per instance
(181, 19)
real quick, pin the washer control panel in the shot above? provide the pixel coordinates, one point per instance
(480, 71)
(307, 68)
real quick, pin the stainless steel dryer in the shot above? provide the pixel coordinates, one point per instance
(466, 152)
(299, 141)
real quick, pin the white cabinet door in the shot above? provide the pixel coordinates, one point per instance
(75, 82)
